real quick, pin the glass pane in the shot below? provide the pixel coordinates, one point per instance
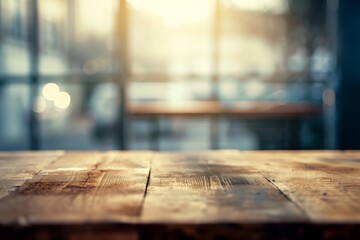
(253, 37)
(14, 58)
(78, 116)
(14, 120)
(178, 38)
(172, 91)
(76, 36)
(179, 134)
(170, 134)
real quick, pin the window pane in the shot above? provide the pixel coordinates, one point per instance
(76, 36)
(177, 38)
(252, 38)
(14, 58)
(78, 116)
(14, 120)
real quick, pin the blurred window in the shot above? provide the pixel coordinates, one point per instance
(265, 50)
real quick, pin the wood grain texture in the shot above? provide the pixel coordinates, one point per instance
(82, 187)
(17, 168)
(325, 184)
(195, 195)
(212, 187)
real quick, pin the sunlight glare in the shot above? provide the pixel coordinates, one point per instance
(273, 6)
(95, 16)
(51, 10)
(176, 12)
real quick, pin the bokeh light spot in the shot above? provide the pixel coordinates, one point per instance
(50, 91)
(63, 100)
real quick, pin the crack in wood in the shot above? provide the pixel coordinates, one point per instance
(303, 211)
(146, 188)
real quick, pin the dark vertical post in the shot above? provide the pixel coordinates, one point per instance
(2, 59)
(122, 56)
(214, 126)
(295, 125)
(155, 128)
(1, 66)
(33, 34)
(329, 107)
(348, 86)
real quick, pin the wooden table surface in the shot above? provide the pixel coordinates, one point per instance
(200, 195)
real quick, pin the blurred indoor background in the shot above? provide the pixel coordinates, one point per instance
(177, 74)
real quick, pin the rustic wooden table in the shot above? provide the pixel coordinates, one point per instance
(200, 195)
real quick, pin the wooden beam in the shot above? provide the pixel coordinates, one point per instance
(34, 47)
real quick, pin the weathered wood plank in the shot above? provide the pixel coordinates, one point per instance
(208, 187)
(213, 187)
(325, 184)
(16, 168)
(209, 195)
(82, 187)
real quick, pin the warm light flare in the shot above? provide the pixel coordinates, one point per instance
(51, 10)
(50, 91)
(95, 16)
(176, 12)
(273, 6)
(63, 100)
